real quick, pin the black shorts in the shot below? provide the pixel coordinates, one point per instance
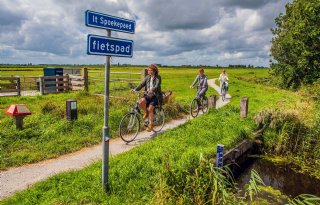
(151, 100)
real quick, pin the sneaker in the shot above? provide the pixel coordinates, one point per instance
(146, 122)
(145, 116)
(149, 128)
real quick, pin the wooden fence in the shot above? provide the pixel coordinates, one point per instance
(98, 76)
(10, 85)
(50, 84)
(34, 85)
(118, 80)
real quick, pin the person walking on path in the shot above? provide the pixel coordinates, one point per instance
(203, 83)
(153, 96)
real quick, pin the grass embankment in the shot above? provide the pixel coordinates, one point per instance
(134, 175)
(293, 135)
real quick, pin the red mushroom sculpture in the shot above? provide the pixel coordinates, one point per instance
(18, 112)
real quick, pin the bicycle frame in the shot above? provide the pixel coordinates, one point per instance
(198, 103)
(223, 87)
(136, 108)
(199, 100)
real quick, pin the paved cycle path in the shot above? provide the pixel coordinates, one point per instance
(20, 178)
(219, 103)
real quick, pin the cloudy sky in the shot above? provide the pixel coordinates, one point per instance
(170, 32)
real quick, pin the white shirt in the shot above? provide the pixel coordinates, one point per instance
(151, 82)
(223, 78)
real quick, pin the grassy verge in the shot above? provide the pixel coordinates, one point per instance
(48, 134)
(133, 175)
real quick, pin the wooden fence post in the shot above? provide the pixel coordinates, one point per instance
(18, 86)
(86, 79)
(67, 82)
(244, 107)
(144, 73)
(41, 85)
(212, 101)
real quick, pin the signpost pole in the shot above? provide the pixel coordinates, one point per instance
(107, 46)
(105, 137)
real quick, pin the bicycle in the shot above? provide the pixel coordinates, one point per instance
(197, 104)
(223, 91)
(131, 122)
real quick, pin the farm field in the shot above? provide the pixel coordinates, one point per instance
(91, 138)
(159, 167)
(47, 133)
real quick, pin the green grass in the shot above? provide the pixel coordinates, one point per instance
(47, 134)
(134, 175)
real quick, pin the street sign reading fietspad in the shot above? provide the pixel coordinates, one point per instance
(108, 46)
(104, 21)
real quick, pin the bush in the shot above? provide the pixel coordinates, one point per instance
(312, 91)
(285, 132)
(48, 107)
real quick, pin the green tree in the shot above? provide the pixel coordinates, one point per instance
(296, 44)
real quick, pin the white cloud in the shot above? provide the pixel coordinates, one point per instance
(228, 56)
(177, 32)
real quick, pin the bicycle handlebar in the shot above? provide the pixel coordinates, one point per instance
(139, 92)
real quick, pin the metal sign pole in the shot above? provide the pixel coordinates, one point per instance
(107, 46)
(105, 137)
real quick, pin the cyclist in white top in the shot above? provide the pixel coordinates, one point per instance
(223, 78)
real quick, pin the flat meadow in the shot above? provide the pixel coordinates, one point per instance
(47, 133)
(145, 173)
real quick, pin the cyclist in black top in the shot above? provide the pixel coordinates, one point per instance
(153, 96)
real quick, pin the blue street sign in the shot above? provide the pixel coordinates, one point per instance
(219, 156)
(108, 46)
(104, 21)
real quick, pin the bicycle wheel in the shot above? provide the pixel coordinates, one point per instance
(129, 127)
(194, 108)
(204, 104)
(158, 119)
(223, 94)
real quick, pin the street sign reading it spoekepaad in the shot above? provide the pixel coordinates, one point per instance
(104, 21)
(108, 46)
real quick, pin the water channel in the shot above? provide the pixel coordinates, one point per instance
(279, 176)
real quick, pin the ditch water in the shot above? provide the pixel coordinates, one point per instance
(279, 176)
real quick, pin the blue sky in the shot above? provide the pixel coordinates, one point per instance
(179, 32)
